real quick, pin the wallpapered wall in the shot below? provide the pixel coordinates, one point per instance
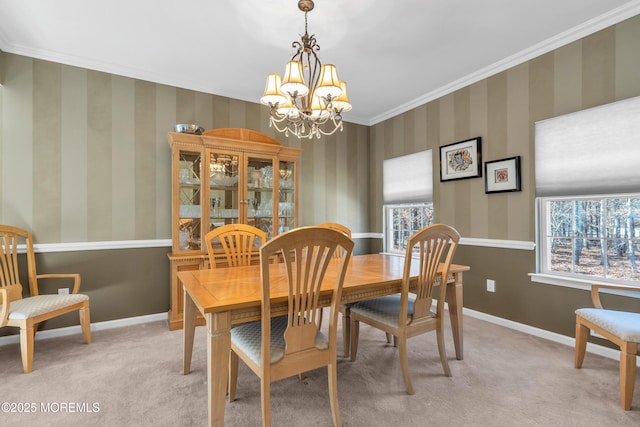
(84, 154)
(601, 68)
(83, 157)
(502, 109)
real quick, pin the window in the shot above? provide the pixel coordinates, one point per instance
(401, 221)
(407, 197)
(587, 183)
(597, 237)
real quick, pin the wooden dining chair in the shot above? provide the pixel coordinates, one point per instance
(234, 245)
(620, 327)
(409, 314)
(279, 347)
(344, 308)
(338, 227)
(26, 313)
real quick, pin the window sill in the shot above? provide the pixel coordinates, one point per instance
(575, 283)
(393, 254)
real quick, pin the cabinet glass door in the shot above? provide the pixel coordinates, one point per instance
(224, 196)
(260, 194)
(286, 202)
(190, 213)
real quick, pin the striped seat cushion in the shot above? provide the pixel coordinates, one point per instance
(623, 324)
(384, 309)
(248, 338)
(35, 306)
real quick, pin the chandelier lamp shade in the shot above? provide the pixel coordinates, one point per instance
(309, 99)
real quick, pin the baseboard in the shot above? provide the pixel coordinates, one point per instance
(551, 336)
(130, 321)
(98, 326)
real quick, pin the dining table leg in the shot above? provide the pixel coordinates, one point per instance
(454, 301)
(189, 328)
(346, 331)
(218, 350)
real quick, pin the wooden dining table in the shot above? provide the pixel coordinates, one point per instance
(229, 296)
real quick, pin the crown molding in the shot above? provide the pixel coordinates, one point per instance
(601, 22)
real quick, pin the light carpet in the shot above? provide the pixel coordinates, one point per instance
(131, 376)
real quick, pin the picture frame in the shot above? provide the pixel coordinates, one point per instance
(461, 160)
(502, 175)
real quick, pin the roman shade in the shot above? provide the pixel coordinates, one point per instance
(408, 178)
(589, 152)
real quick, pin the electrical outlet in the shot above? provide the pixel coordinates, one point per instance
(63, 291)
(491, 285)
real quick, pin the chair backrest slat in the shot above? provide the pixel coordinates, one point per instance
(9, 260)
(239, 243)
(436, 245)
(341, 228)
(10, 238)
(307, 254)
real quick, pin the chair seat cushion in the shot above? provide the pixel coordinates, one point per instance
(623, 324)
(384, 309)
(35, 306)
(248, 338)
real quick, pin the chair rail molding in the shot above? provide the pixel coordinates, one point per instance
(498, 243)
(160, 243)
(96, 246)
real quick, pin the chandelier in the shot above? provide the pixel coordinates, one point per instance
(309, 100)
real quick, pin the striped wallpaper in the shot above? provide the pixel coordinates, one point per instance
(598, 69)
(84, 154)
(84, 157)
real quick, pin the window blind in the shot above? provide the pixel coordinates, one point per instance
(408, 179)
(593, 151)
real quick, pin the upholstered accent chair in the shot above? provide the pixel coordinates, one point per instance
(279, 347)
(620, 327)
(409, 313)
(27, 312)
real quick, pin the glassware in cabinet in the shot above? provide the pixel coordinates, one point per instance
(286, 196)
(259, 199)
(224, 194)
(190, 200)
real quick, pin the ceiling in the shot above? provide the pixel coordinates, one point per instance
(394, 55)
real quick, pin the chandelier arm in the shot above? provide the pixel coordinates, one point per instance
(332, 131)
(304, 118)
(275, 125)
(279, 118)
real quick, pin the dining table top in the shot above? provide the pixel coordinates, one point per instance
(227, 289)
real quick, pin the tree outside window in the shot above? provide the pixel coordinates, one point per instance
(403, 220)
(597, 237)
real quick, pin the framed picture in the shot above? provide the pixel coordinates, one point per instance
(461, 160)
(502, 175)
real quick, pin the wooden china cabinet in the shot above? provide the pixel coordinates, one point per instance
(226, 176)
